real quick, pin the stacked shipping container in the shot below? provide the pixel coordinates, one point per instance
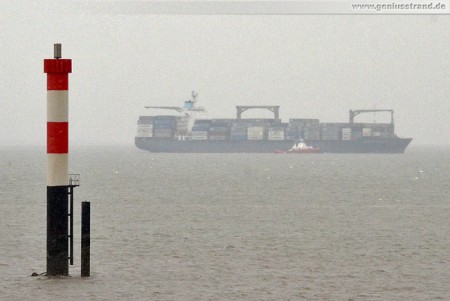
(164, 126)
(308, 129)
(276, 133)
(219, 129)
(171, 127)
(331, 131)
(200, 129)
(145, 126)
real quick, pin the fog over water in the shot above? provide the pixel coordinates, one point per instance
(313, 66)
(235, 226)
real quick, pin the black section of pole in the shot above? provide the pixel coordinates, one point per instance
(71, 224)
(85, 239)
(57, 231)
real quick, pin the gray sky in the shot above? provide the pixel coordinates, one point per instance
(313, 66)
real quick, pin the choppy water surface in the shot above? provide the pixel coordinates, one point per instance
(235, 226)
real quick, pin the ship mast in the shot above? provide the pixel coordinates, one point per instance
(194, 96)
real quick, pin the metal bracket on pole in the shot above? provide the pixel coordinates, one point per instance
(74, 181)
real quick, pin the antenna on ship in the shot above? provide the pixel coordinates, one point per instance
(194, 96)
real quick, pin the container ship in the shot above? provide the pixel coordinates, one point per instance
(186, 133)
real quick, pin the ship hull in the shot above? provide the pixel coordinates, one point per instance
(393, 145)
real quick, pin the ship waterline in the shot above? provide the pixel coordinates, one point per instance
(392, 145)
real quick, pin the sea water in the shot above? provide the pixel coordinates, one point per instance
(235, 226)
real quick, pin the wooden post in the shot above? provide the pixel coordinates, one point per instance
(85, 239)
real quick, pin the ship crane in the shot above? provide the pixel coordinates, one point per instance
(354, 113)
(274, 109)
(189, 106)
(178, 109)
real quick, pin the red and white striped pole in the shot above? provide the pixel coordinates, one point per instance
(57, 70)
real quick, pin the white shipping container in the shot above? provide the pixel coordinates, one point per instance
(346, 130)
(199, 135)
(276, 132)
(273, 138)
(346, 134)
(255, 136)
(256, 129)
(255, 133)
(145, 126)
(276, 135)
(367, 132)
(145, 129)
(144, 135)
